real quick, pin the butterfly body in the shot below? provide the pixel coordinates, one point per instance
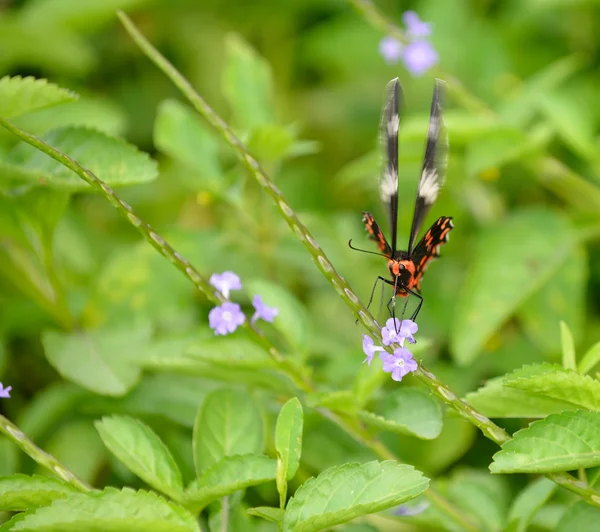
(406, 268)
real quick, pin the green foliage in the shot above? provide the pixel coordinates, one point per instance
(560, 442)
(335, 497)
(24, 95)
(228, 423)
(115, 371)
(21, 492)
(142, 451)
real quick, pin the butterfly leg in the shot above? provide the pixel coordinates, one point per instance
(373, 290)
(416, 312)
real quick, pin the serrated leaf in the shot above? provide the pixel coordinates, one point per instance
(292, 321)
(581, 517)
(274, 515)
(528, 502)
(227, 423)
(558, 383)
(22, 95)
(103, 361)
(247, 83)
(142, 451)
(567, 347)
(590, 359)
(560, 442)
(345, 492)
(113, 160)
(22, 492)
(183, 135)
(230, 352)
(110, 510)
(498, 401)
(230, 474)
(545, 242)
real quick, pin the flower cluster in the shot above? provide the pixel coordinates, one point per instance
(227, 317)
(418, 55)
(5, 392)
(395, 332)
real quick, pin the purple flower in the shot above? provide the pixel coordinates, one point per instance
(405, 331)
(369, 348)
(415, 27)
(224, 282)
(400, 363)
(5, 392)
(390, 49)
(226, 318)
(419, 57)
(262, 311)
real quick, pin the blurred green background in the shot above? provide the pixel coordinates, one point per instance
(302, 83)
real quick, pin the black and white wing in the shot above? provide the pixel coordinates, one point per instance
(388, 183)
(434, 164)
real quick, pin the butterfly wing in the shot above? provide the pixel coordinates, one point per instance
(428, 247)
(388, 183)
(376, 234)
(434, 165)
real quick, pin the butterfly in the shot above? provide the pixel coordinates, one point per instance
(407, 267)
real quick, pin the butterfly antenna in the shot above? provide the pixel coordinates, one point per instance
(364, 250)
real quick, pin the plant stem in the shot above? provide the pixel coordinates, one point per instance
(16, 435)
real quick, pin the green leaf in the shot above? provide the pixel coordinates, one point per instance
(113, 160)
(590, 359)
(568, 347)
(482, 496)
(110, 510)
(229, 352)
(560, 442)
(247, 84)
(558, 383)
(292, 321)
(288, 444)
(142, 451)
(563, 298)
(496, 400)
(183, 135)
(408, 411)
(521, 266)
(227, 423)
(22, 492)
(22, 95)
(342, 493)
(103, 361)
(581, 517)
(228, 475)
(528, 502)
(572, 120)
(274, 515)
(270, 142)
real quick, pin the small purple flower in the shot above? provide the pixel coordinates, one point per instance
(5, 392)
(415, 27)
(419, 57)
(391, 49)
(262, 311)
(405, 331)
(400, 363)
(226, 318)
(224, 282)
(369, 348)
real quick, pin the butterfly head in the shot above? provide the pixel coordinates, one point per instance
(402, 268)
